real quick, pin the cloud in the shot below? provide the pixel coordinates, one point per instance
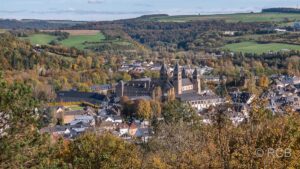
(95, 1)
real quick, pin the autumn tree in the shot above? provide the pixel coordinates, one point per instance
(105, 152)
(143, 109)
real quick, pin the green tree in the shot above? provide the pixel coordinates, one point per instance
(175, 111)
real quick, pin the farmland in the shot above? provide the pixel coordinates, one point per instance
(40, 38)
(78, 38)
(239, 17)
(82, 41)
(253, 47)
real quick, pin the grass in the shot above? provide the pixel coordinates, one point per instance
(82, 41)
(75, 107)
(79, 41)
(239, 17)
(41, 39)
(253, 47)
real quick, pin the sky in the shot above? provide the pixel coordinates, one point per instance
(100, 10)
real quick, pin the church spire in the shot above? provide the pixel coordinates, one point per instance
(177, 77)
(197, 81)
(184, 75)
(196, 74)
(176, 68)
(164, 72)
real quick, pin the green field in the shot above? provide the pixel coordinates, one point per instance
(41, 39)
(75, 107)
(253, 47)
(243, 17)
(78, 41)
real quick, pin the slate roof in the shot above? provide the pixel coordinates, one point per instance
(241, 97)
(74, 113)
(101, 87)
(74, 96)
(186, 82)
(193, 96)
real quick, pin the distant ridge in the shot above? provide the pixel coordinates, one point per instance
(154, 15)
(281, 10)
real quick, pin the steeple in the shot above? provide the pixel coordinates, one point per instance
(164, 72)
(197, 81)
(184, 75)
(196, 74)
(177, 77)
(176, 71)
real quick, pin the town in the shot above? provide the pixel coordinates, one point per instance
(103, 109)
(91, 84)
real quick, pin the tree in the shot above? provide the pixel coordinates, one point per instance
(21, 144)
(105, 151)
(175, 111)
(143, 109)
(156, 108)
(264, 81)
(126, 77)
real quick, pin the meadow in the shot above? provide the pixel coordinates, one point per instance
(78, 38)
(82, 41)
(40, 38)
(253, 47)
(238, 17)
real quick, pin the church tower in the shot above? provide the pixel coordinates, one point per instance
(197, 81)
(164, 73)
(177, 77)
(184, 74)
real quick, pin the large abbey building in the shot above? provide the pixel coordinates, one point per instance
(178, 86)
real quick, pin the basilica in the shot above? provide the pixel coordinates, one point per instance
(171, 85)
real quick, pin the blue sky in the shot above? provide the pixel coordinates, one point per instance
(119, 9)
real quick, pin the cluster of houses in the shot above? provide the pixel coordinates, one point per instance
(283, 93)
(112, 122)
(141, 67)
(72, 123)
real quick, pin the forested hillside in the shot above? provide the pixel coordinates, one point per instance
(49, 69)
(36, 24)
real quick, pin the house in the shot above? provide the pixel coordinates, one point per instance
(133, 128)
(69, 116)
(242, 97)
(109, 119)
(118, 119)
(108, 126)
(201, 102)
(123, 129)
(280, 30)
(229, 33)
(85, 119)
